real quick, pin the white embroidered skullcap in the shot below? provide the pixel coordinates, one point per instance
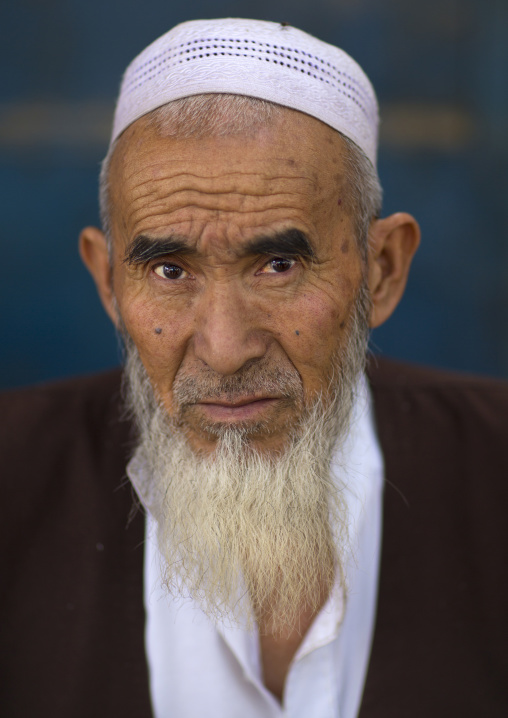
(256, 58)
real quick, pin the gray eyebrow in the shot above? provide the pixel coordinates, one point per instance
(289, 243)
(143, 249)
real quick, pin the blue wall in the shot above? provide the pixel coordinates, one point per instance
(440, 70)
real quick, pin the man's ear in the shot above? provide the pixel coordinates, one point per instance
(392, 244)
(93, 249)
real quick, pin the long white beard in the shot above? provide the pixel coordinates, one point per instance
(243, 533)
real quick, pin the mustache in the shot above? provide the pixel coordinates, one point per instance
(258, 378)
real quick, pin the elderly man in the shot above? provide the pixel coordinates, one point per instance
(243, 260)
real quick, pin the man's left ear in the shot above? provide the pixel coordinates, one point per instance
(392, 244)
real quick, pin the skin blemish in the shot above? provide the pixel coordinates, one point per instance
(158, 330)
(344, 247)
(297, 332)
(339, 202)
(342, 325)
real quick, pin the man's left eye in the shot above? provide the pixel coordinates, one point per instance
(278, 265)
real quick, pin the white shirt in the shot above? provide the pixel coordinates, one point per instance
(198, 668)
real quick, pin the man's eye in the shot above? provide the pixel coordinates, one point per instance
(169, 271)
(278, 265)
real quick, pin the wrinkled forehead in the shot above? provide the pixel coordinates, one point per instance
(290, 138)
(291, 168)
(291, 147)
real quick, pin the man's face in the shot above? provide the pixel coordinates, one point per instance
(235, 272)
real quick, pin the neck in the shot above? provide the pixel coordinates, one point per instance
(278, 648)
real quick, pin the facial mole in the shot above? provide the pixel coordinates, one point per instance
(297, 332)
(342, 325)
(158, 330)
(339, 202)
(344, 247)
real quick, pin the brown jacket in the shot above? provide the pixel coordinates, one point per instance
(71, 552)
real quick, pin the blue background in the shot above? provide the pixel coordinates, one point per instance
(440, 70)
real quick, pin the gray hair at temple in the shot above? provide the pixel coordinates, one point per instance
(219, 115)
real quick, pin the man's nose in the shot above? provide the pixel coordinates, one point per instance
(226, 333)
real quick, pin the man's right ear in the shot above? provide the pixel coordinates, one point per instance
(93, 249)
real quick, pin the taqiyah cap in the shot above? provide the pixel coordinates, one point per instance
(267, 60)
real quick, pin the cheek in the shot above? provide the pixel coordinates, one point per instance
(160, 335)
(313, 330)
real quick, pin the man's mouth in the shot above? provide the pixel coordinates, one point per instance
(241, 409)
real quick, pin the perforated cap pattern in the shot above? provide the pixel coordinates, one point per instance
(251, 57)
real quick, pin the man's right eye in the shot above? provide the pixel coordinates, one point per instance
(169, 271)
